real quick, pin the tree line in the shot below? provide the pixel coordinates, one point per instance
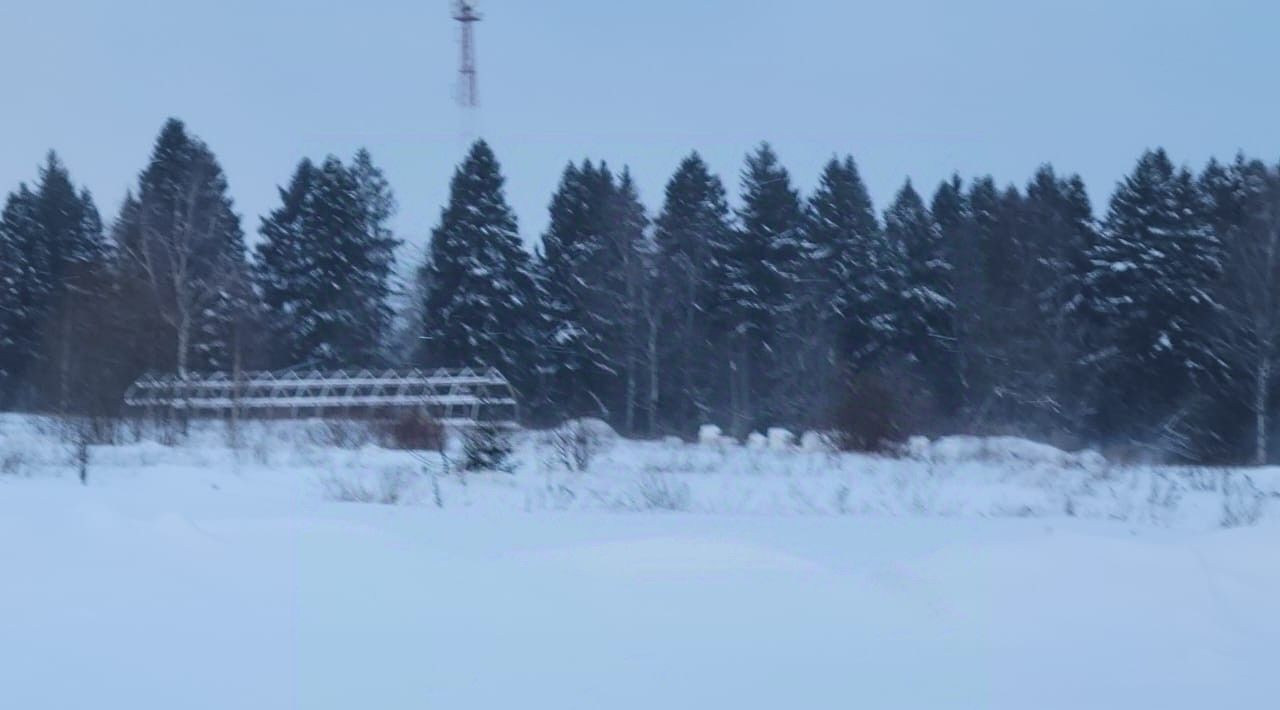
(1151, 329)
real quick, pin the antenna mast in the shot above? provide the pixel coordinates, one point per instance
(465, 13)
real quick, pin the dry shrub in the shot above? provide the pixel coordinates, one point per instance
(415, 431)
(487, 447)
(385, 488)
(14, 462)
(657, 492)
(341, 434)
(879, 409)
(577, 442)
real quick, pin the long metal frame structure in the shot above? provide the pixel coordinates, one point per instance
(456, 397)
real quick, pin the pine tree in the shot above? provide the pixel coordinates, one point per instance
(1154, 267)
(477, 283)
(695, 215)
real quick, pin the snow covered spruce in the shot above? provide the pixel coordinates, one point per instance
(1148, 331)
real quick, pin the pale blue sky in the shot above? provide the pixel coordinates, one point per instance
(909, 87)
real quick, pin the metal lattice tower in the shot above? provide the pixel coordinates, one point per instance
(465, 13)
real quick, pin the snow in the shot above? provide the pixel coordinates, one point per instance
(591, 426)
(1002, 450)
(781, 439)
(814, 442)
(709, 434)
(196, 576)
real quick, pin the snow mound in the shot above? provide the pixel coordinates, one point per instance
(591, 426)
(817, 442)
(709, 435)
(1000, 450)
(712, 435)
(781, 439)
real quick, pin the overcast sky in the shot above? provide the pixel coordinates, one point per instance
(915, 88)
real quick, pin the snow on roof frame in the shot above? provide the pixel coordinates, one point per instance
(460, 397)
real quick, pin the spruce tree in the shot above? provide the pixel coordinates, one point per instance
(1154, 267)
(375, 261)
(1059, 219)
(70, 230)
(54, 236)
(574, 358)
(629, 240)
(848, 259)
(1242, 208)
(1060, 231)
(477, 285)
(587, 271)
(961, 251)
(1229, 193)
(695, 215)
(332, 326)
(761, 266)
(282, 266)
(995, 310)
(17, 314)
(924, 311)
(324, 266)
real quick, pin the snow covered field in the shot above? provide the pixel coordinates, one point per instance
(984, 574)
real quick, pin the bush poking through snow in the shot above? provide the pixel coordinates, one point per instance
(657, 492)
(878, 409)
(576, 443)
(389, 487)
(487, 447)
(13, 462)
(1242, 502)
(414, 431)
(341, 434)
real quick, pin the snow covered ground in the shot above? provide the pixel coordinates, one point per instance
(977, 573)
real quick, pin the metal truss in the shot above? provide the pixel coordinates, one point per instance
(458, 397)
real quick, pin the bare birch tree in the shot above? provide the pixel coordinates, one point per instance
(187, 246)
